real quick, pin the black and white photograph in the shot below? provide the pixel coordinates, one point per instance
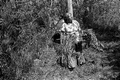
(59, 39)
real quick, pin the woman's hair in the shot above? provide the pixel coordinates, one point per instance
(66, 19)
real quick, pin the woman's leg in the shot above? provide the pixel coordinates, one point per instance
(78, 49)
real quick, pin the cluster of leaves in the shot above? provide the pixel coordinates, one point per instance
(103, 17)
(103, 12)
(24, 29)
(17, 28)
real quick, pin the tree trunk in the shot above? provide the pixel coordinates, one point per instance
(70, 8)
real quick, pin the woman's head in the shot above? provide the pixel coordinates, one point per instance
(67, 18)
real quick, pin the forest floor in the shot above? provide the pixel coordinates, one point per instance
(95, 68)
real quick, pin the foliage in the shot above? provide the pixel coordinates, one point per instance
(26, 28)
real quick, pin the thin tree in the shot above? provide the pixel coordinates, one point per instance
(70, 7)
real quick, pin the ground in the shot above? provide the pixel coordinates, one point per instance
(46, 67)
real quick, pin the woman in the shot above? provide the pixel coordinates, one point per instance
(71, 27)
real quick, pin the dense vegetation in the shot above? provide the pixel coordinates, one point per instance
(27, 51)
